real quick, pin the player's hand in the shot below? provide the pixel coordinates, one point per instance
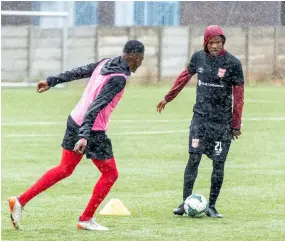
(161, 105)
(42, 86)
(80, 146)
(236, 134)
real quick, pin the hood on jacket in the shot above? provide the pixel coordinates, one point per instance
(212, 31)
(116, 65)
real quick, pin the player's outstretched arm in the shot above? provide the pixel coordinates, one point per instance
(74, 74)
(178, 85)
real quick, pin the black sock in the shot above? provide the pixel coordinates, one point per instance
(216, 181)
(191, 172)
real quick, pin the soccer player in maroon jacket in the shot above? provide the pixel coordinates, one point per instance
(215, 122)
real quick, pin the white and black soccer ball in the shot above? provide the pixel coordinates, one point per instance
(195, 206)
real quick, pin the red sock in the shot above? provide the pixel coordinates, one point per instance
(68, 163)
(109, 175)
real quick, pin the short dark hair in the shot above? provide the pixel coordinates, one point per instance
(133, 46)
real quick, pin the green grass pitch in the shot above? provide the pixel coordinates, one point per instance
(151, 153)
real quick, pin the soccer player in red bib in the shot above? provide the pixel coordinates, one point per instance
(86, 130)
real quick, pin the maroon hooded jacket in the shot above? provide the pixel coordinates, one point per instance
(185, 76)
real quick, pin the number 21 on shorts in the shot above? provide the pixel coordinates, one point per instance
(218, 147)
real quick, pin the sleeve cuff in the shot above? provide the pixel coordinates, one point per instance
(50, 82)
(167, 99)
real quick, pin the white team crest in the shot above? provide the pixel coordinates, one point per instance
(221, 72)
(195, 143)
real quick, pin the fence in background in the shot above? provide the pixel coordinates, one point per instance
(36, 53)
(28, 65)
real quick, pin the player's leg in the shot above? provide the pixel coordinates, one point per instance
(190, 175)
(109, 175)
(221, 149)
(196, 149)
(216, 185)
(67, 165)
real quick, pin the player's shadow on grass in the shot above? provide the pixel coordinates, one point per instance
(193, 218)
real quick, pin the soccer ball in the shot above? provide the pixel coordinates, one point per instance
(195, 206)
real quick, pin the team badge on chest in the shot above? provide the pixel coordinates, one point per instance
(221, 72)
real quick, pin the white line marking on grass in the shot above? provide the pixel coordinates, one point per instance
(124, 133)
(32, 135)
(156, 121)
(34, 123)
(110, 134)
(39, 123)
(148, 132)
(277, 118)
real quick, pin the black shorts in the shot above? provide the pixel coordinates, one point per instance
(210, 138)
(99, 146)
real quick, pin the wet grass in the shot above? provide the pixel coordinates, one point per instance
(151, 166)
